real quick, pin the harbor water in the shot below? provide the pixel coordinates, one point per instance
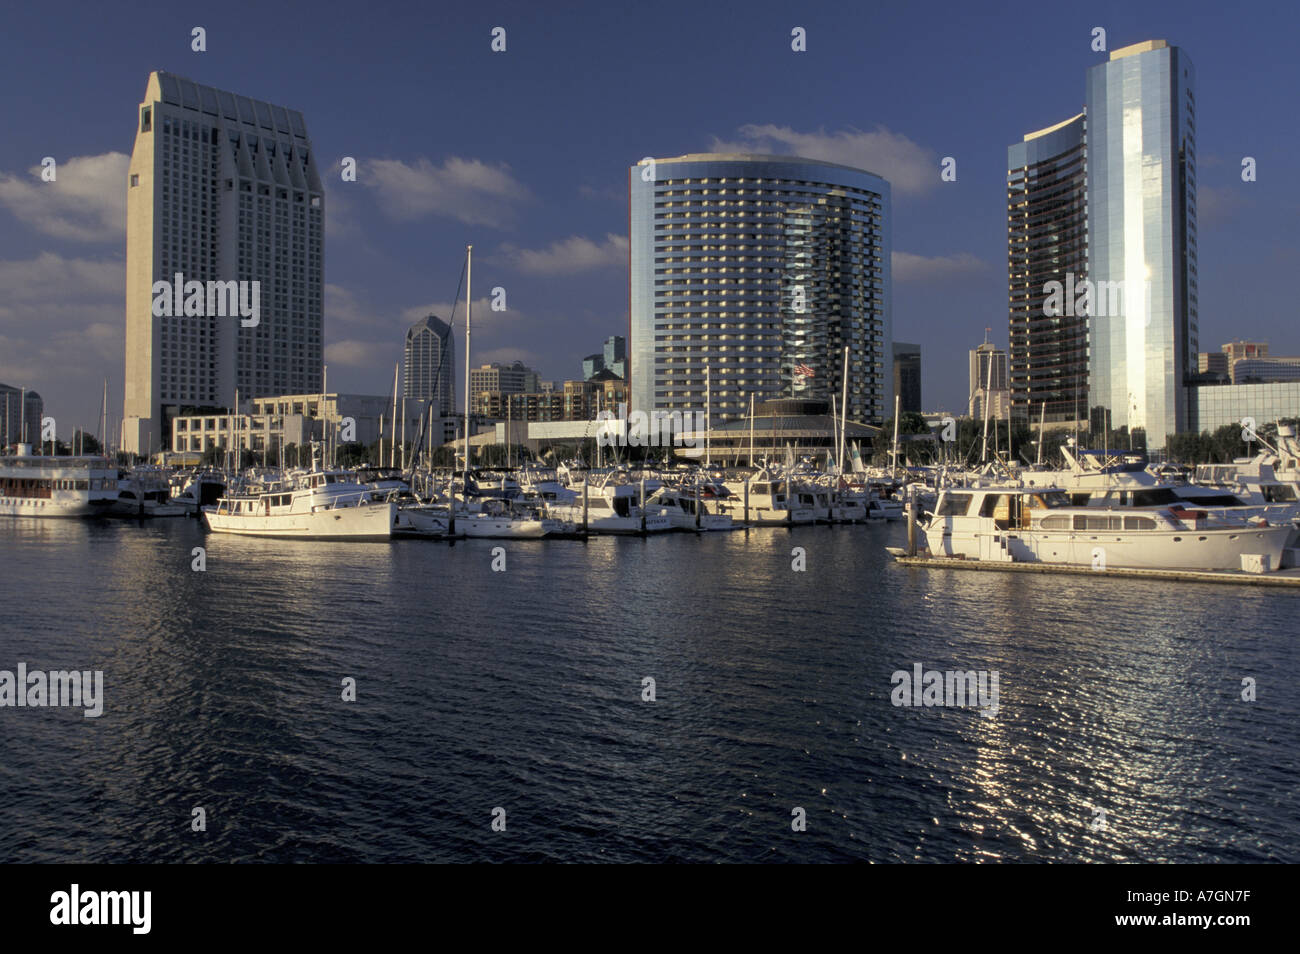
(519, 695)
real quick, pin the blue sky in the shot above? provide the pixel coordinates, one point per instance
(525, 155)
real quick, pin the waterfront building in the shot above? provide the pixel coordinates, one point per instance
(220, 189)
(266, 424)
(1141, 170)
(750, 275)
(1047, 241)
(429, 364)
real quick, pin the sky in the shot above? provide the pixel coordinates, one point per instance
(524, 154)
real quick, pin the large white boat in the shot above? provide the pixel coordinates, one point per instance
(770, 502)
(34, 485)
(1017, 525)
(611, 508)
(320, 504)
(687, 512)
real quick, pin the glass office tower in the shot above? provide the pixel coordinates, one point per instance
(1141, 114)
(761, 269)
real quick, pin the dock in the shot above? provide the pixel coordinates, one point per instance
(1284, 577)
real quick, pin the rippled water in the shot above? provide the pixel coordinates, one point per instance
(522, 690)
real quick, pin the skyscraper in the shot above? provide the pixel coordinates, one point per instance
(430, 364)
(907, 376)
(1047, 241)
(760, 269)
(1141, 114)
(221, 189)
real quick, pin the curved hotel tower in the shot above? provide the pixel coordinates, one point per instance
(1047, 241)
(760, 269)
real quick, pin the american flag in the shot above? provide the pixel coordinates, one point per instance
(803, 371)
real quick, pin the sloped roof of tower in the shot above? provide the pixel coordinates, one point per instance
(179, 91)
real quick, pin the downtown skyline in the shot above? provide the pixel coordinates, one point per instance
(523, 155)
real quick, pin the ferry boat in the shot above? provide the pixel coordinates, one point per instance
(1017, 525)
(320, 504)
(34, 485)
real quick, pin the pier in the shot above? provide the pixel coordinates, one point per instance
(1286, 577)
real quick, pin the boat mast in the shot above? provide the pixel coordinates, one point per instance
(708, 408)
(1042, 418)
(751, 428)
(844, 411)
(469, 271)
(392, 440)
(893, 463)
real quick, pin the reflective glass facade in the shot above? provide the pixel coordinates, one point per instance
(1141, 157)
(754, 266)
(1213, 406)
(1047, 241)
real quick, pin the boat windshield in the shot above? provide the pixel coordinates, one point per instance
(1050, 499)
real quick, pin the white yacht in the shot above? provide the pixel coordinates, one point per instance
(1018, 525)
(35, 485)
(146, 492)
(320, 504)
(611, 508)
(770, 501)
(679, 505)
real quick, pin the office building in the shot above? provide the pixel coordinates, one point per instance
(429, 364)
(1141, 170)
(23, 410)
(907, 376)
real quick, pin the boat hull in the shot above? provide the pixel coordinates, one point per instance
(368, 521)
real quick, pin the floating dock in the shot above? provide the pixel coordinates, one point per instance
(1284, 577)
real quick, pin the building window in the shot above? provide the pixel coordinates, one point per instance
(135, 179)
(146, 119)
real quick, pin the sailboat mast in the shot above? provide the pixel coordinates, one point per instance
(1042, 419)
(469, 297)
(844, 411)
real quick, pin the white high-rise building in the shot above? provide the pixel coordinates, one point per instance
(221, 188)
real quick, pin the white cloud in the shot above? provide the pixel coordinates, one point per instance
(86, 201)
(906, 267)
(910, 168)
(574, 254)
(359, 354)
(61, 325)
(468, 190)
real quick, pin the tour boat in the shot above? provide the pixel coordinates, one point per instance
(33, 485)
